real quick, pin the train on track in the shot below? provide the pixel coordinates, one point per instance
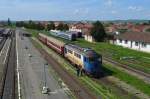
(68, 35)
(85, 59)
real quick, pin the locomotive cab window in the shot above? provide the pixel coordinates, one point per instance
(85, 59)
(92, 59)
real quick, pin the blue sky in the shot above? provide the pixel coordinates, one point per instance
(74, 9)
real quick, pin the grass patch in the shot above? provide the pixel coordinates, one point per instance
(131, 80)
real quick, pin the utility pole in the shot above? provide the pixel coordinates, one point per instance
(45, 74)
(45, 89)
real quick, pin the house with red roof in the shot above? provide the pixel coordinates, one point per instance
(85, 28)
(134, 40)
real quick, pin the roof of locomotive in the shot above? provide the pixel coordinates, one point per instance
(52, 39)
(88, 52)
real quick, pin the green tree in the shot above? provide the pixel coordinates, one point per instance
(51, 26)
(149, 22)
(98, 31)
(39, 26)
(60, 27)
(31, 24)
(8, 22)
(65, 27)
(20, 23)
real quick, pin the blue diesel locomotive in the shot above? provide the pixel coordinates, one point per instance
(84, 58)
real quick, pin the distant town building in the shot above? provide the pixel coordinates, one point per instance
(87, 34)
(85, 28)
(126, 27)
(56, 23)
(135, 40)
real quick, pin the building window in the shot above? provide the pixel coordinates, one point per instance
(120, 41)
(136, 43)
(144, 44)
(126, 41)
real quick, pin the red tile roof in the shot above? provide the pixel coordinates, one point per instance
(135, 36)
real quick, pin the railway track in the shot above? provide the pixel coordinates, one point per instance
(125, 66)
(2, 55)
(2, 42)
(8, 90)
(76, 87)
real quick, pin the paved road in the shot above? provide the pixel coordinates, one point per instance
(32, 73)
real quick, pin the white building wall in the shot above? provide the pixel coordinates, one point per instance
(124, 44)
(146, 49)
(132, 45)
(89, 38)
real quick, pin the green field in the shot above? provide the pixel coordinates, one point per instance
(131, 80)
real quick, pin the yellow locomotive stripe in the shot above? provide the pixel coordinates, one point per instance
(74, 59)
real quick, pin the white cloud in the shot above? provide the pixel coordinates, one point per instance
(114, 12)
(148, 15)
(81, 11)
(86, 10)
(109, 3)
(135, 8)
(76, 11)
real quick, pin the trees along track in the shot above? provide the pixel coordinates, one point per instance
(79, 90)
(125, 66)
(8, 90)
